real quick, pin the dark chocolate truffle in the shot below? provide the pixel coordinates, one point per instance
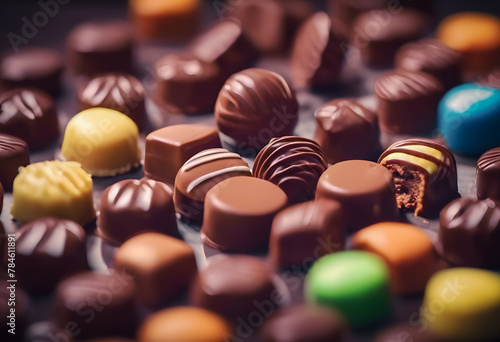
(425, 175)
(226, 45)
(317, 56)
(231, 285)
(200, 174)
(32, 67)
(254, 106)
(365, 190)
(469, 232)
(118, 91)
(132, 206)
(48, 250)
(488, 175)
(186, 85)
(99, 47)
(305, 232)
(408, 102)
(347, 130)
(29, 114)
(431, 56)
(93, 304)
(14, 305)
(239, 212)
(292, 163)
(305, 323)
(14, 153)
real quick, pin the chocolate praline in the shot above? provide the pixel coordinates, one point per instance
(292, 163)
(347, 130)
(14, 153)
(469, 232)
(488, 175)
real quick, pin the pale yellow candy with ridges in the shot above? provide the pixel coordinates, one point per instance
(463, 304)
(53, 188)
(104, 141)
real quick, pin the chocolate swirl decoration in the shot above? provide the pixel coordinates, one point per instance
(436, 173)
(406, 84)
(294, 164)
(488, 175)
(317, 57)
(254, 106)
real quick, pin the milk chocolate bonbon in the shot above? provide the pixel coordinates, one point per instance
(488, 175)
(14, 153)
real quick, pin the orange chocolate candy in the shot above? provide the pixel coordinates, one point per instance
(407, 251)
(477, 36)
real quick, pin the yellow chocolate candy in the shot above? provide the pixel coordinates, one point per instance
(53, 188)
(428, 165)
(463, 304)
(103, 140)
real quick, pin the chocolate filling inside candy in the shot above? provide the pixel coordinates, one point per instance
(410, 185)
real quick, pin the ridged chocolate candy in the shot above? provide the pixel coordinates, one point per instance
(488, 175)
(317, 56)
(254, 106)
(294, 164)
(469, 232)
(347, 130)
(200, 174)
(425, 174)
(14, 153)
(408, 101)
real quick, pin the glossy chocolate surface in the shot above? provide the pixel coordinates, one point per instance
(425, 175)
(408, 102)
(469, 232)
(488, 175)
(254, 106)
(48, 250)
(132, 206)
(200, 174)
(14, 153)
(292, 163)
(118, 91)
(29, 114)
(347, 130)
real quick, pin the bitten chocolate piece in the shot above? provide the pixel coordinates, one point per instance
(100, 46)
(53, 188)
(168, 148)
(231, 284)
(185, 324)
(132, 206)
(96, 305)
(47, 250)
(32, 67)
(425, 174)
(469, 232)
(347, 130)
(254, 106)
(166, 19)
(488, 175)
(271, 25)
(226, 45)
(118, 91)
(19, 323)
(304, 323)
(186, 85)
(433, 57)
(200, 174)
(408, 102)
(161, 266)
(382, 32)
(239, 212)
(317, 56)
(31, 115)
(292, 163)
(365, 190)
(305, 232)
(14, 153)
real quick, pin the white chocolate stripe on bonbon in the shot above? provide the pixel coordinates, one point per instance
(214, 174)
(200, 160)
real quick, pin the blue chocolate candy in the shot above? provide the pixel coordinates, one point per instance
(469, 118)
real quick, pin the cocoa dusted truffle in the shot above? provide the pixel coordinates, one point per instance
(292, 163)
(408, 102)
(488, 175)
(14, 153)
(254, 106)
(317, 56)
(425, 175)
(347, 130)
